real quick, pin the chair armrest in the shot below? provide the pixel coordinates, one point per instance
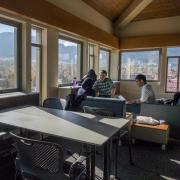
(81, 159)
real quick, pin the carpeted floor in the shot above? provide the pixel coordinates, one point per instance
(151, 163)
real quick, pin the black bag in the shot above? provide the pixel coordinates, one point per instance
(73, 102)
(70, 101)
(176, 98)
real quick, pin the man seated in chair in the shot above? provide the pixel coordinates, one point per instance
(103, 86)
(147, 93)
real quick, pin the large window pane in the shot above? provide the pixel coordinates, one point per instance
(175, 51)
(35, 68)
(104, 60)
(36, 35)
(90, 56)
(172, 74)
(36, 48)
(69, 61)
(140, 62)
(8, 57)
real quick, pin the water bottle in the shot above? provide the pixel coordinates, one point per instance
(74, 82)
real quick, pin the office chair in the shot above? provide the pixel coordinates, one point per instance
(41, 160)
(54, 103)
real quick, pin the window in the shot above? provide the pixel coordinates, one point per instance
(104, 60)
(9, 56)
(140, 62)
(173, 70)
(69, 65)
(36, 51)
(91, 56)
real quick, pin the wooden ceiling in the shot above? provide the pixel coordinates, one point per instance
(111, 9)
(160, 9)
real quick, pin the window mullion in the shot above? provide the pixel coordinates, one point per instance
(178, 74)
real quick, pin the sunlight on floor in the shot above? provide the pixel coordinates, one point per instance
(167, 178)
(176, 161)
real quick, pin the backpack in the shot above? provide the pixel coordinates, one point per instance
(176, 100)
(73, 101)
(70, 102)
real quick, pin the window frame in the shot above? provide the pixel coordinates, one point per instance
(90, 55)
(178, 72)
(71, 39)
(19, 54)
(40, 46)
(109, 64)
(137, 50)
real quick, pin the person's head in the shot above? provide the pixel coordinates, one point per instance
(92, 74)
(102, 75)
(140, 80)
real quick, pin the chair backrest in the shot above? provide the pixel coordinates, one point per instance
(111, 104)
(39, 158)
(54, 103)
(98, 111)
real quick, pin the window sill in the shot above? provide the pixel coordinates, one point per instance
(14, 94)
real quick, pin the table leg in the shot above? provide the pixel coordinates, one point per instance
(93, 162)
(116, 158)
(106, 160)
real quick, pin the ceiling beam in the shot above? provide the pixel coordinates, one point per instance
(151, 41)
(131, 12)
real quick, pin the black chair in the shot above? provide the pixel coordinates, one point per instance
(7, 154)
(122, 134)
(54, 103)
(41, 160)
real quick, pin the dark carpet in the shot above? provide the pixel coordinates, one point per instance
(151, 163)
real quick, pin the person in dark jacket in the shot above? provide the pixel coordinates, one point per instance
(91, 74)
(85, 90)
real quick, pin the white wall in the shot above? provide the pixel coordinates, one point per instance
(85, 12)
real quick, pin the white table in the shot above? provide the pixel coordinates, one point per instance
(81, 127)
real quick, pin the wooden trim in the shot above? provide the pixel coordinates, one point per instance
(150, 41)
(131, 12)
(46, 12)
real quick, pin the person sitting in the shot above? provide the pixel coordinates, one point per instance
(147, 93)
(73, 101)
(91, 74)
(103, 85)
(86, 88)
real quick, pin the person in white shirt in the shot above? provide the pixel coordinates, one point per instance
(147, 93)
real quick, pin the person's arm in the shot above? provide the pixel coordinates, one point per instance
(95, 88)
(113, 90)
(143, 98)
(144, 95)
(134, 101)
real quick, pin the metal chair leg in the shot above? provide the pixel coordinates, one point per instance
(130, 151)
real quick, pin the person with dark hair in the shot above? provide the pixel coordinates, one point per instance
(103, 85)
(147, 93)
(91, 74)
